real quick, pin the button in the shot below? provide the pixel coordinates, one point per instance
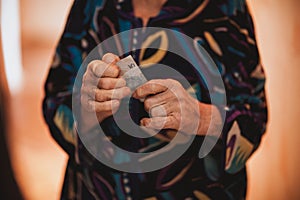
(126, 180)
(127, 189)
(236, 74)
(134, 41)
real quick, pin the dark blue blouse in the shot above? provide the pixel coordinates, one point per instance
(225, 30)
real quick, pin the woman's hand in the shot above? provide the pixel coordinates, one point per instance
(102, 88)
(172, 107)
(169, 105)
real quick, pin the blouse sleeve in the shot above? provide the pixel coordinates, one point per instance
(70, 52)
(231, 41)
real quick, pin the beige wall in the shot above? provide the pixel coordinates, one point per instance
(42, 20)
(273, 170)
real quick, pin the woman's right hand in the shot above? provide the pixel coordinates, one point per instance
(102, 87)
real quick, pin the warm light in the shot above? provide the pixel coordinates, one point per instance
(10, 26)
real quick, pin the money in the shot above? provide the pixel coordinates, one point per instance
(131, 72)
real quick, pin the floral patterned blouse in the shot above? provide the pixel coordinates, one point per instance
(225, 30)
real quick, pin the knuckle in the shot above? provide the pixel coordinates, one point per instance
(173, 82)
(109, 57)
(152, 87)
(82, 89)
(147, 104)
(85, 90)
(106, 55)
(83, 100)
(85, 77)
(89, 105)
(92, 92)
(97, 67)
(91, 66)
(151, 82)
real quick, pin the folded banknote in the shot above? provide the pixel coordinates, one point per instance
(131, 72)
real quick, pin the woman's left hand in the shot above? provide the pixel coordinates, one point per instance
(171, 107)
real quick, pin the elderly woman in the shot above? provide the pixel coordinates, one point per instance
(224, 29)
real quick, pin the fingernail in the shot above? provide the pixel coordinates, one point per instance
(123, 81)
(127, 91)
(115, 103)
(143, 122)
(134, 95)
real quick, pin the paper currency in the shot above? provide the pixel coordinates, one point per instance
(131, 72)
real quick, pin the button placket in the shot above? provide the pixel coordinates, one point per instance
(127, 188)
(134, 44)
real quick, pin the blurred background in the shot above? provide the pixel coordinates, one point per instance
(39, 163)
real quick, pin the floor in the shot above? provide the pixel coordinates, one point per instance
(273, 170)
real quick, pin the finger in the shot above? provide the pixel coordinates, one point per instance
(168, 122)
(101, 69)
(160, 111)
(89, 79)
(106, 106)
(106, 95)
(91, 105)
(110, 58)
(159, 99)
(111, 83)
(150, 88)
